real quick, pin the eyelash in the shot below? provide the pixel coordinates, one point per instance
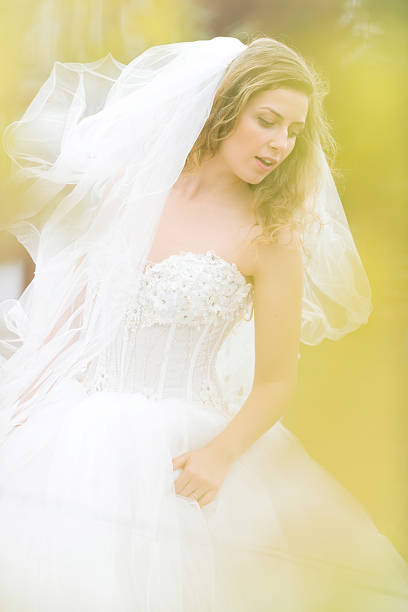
(270, 123)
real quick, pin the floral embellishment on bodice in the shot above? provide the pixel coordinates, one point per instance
(173, 326)
(192, 289)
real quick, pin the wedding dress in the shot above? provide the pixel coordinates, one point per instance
(90, 521)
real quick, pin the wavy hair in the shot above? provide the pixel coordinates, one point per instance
(268, 64)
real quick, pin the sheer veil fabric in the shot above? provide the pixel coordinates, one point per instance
(96, 153)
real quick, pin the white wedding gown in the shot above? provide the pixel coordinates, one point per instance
(90, 521)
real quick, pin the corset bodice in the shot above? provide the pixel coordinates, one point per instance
(173, 328)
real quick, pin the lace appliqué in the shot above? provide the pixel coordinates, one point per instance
(189, 289)
(93, 376)
(210, 396)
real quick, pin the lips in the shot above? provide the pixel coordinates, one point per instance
(266, 162)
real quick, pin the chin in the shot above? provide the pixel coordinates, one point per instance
(257, 180)
(249, 179)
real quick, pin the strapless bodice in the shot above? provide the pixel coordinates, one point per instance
(173, 328)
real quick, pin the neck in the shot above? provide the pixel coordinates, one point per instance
(212, 177)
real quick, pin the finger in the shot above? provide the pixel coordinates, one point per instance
(179, 461)
(189, 488)
(198, 494)
(193, 489)
(207, 498)
(181, 482)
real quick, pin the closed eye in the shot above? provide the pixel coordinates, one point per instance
(266, 123)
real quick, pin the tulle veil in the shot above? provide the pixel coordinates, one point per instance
(96, 153)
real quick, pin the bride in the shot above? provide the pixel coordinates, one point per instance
(187, 235)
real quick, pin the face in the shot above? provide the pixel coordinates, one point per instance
(265, 133)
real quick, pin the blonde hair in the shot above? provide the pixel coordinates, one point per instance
(268, 64)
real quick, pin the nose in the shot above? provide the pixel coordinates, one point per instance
(279, 144)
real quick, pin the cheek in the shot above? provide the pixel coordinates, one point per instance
(250, 134)
(244, 143)
(238, 146)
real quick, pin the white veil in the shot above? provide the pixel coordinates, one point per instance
(97, 152)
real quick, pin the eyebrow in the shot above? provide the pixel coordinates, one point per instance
(276, 113)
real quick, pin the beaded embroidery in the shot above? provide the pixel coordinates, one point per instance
(210, 396)
(201, 291)
(189, 289)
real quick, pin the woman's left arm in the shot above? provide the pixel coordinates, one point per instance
(277, 311)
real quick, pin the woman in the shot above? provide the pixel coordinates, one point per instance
(164, 209)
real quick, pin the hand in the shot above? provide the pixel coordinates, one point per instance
(204, 471)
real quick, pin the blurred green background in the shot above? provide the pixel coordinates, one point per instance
(351, 407)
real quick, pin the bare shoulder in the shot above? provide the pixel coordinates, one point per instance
(289, 238)
(256, 256)
(280, 259)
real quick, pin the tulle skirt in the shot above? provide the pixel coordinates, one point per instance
(90, 521)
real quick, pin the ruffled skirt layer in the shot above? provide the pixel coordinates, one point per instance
(90, 521)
